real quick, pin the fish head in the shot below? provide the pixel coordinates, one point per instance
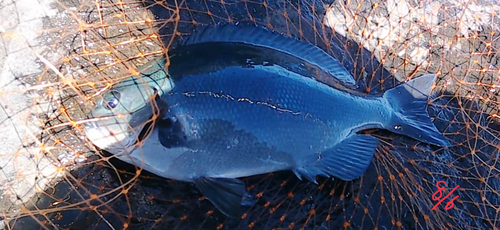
(120, 115)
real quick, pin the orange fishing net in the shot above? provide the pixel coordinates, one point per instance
(57, 57)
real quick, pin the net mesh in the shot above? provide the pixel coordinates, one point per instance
(57, 57)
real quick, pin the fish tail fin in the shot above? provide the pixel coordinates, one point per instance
(411, 118)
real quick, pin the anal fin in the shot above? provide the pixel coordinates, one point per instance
(347, 160)
(225, 193)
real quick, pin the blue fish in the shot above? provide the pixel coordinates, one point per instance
(243, 100)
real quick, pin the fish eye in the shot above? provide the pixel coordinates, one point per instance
(111, 99)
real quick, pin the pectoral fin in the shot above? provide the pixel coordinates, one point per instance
(225, 193)
(171, 133)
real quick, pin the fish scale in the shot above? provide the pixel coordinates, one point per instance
(263, 106)
(237, 105)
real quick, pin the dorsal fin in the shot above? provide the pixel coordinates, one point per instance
(263, 37)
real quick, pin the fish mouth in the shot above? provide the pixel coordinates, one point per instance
(110, 137)
(116, 137)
